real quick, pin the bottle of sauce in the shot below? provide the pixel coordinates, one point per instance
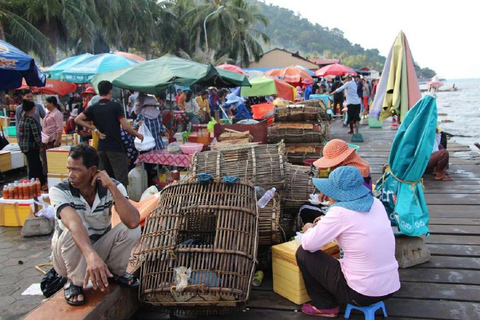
(11, 193)
(16, 190)
(33, 188)
(6, 194)
(38, 186)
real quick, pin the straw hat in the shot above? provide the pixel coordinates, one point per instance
(344, 184)
(89, 90)
(334, 153)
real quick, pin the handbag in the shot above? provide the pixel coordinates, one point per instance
(3, 140)
(148, 142)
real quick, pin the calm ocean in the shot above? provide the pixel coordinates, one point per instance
(463, 108)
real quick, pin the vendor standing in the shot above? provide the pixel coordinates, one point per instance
(204, 104)
(368, 271)
(52, 124)
(353, 101)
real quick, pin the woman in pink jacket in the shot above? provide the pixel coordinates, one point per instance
(368, 271)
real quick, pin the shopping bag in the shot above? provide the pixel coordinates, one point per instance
(148, 142)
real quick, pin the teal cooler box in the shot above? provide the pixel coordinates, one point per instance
(323, 97)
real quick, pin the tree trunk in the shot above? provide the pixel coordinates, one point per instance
(2, 33)
(147, 50)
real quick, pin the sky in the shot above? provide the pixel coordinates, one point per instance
(443, 35)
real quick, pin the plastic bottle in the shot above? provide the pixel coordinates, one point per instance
(266, 198)
(33, 188)
(26, 189)
(11, 193)
(38, 186)
(16, 191)
(6, 192)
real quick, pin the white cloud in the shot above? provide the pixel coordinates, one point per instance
(443, 35)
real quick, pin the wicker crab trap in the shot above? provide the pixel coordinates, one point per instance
(199, 246)
(264, 165)
(312, 110)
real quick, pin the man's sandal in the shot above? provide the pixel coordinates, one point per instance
(74, 291)
(126, 281)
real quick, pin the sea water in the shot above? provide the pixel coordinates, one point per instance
(462, 107)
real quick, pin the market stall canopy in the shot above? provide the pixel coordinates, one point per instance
(401, 188)
(272, 72)
(231, 67)
(154, 76)
(335, 69)
(266, 86)
(16, 65)
(251, 74)
(85, 70)
(58, 87)
(398, 89)
(295, 75)
(55, 71)
(130, 56)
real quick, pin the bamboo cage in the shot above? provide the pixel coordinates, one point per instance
(296, 154)
(298, 185)
(264, 165)
(269, 223)
(299, 113)
(299, 132)
(211, 228)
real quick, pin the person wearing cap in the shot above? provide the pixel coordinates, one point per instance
(70, 127)
(368, 271)
(87, 95)
(353, 101)
(337, 153)
(204, 111)
(147, 110)
(108, 116)
(237, 106)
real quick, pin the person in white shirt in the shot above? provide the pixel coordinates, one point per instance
(353, 102)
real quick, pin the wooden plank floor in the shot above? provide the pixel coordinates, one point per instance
(446, 287)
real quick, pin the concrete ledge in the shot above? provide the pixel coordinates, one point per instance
(114, 303)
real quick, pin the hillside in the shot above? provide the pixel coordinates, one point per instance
(289, 31)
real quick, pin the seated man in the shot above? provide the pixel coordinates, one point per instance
(84, 245)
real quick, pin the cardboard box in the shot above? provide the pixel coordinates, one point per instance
(287, 278)
(18, 159)
(5, 161)
(55, 178)
(57, 159)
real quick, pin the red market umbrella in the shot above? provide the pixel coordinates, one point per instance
(272, 73)
(61, 88)
(231, 67)
(295, 75)
(335, 69)
(130, 56)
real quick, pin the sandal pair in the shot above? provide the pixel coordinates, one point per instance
(71, 291)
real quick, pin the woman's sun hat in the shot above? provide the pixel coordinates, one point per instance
(343, 184)
(74, 113)
(334, 153)
(89, 90)
(232, 98)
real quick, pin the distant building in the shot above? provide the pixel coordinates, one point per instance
(324, 62)
(280, 58)
(374, 74)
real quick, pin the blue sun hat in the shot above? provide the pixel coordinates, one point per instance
(345, 185)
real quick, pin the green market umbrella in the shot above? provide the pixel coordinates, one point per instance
(154, 76)
(54, 72)
(234, 78)
(401, 188)
(398, 89)
(85, 70)
(266, 86)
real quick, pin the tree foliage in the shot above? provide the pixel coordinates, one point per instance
(239, 33)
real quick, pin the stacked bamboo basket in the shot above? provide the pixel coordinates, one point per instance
(303, 127)
(210, 227)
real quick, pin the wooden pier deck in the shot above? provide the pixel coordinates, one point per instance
(446, 287)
